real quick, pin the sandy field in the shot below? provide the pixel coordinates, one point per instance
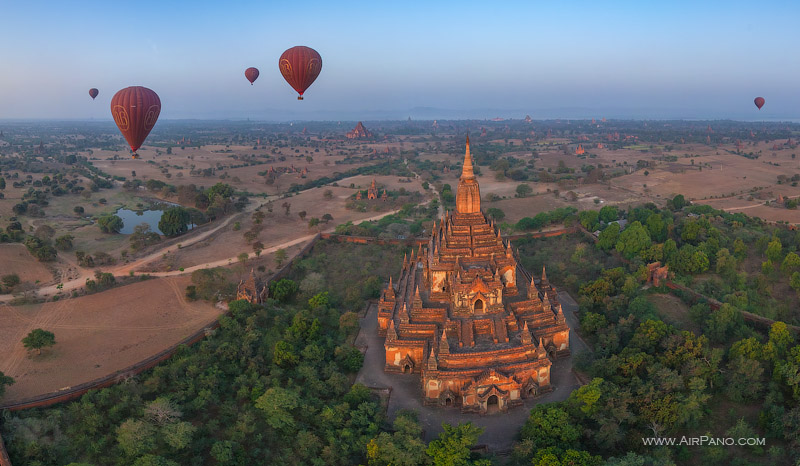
(96, 335)
(14, 258)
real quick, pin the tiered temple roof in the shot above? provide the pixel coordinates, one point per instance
(464, 312)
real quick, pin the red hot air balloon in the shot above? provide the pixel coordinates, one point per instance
(759, 101)
(300, 66)
(251, 74)
(135, 110)
(93, 93)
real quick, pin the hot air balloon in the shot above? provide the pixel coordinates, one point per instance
(135, 110)
(300, 66)
(759, 101)
(251, 74)
(93, 93)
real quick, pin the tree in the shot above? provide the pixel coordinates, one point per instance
(723, 323)
(4, 381)
(496, 214)
(589, 219)
(38, 339)
(312, 222)
(788, 371)
(794, 282)
(608, 237)
(280, 256)
(277, 405)
(791, 263)
(678, 202)
(219, 191)
(78, 210)
(633, 240)
(11, 280)
(524, 190)
(2, 183)
(609, 213)
(549, 426)
(283, 290)
(110, 223)
(774, 250)
(327, 218)
(452, 447)
(328, 194)
(162, 411)
(258, 246)
(64, 242)
(302, 214)
(142, 237)
(153, 460)
(136, 437)
(286, 206)
(403, 447)
(174, 221)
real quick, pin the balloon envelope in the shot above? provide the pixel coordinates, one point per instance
(759, 101)
(300, 66)
(93, 93)
(251, 74)
(135, 110)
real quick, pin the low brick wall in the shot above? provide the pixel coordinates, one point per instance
(714, 305)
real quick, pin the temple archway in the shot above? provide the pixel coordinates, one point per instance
(478, 305)
(492, 404)
(406, 368)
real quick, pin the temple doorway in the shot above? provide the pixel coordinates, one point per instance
(492, 404)
(448, 401)
(478, 305)
(406, 369)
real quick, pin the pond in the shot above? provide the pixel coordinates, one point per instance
(132, 218)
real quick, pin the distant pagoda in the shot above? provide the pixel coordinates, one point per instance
(466, 317)
(359, 132)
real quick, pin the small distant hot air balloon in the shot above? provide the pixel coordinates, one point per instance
(759, 101)
(251, 74)
(300, 66)
(93, 93)
(135, 110)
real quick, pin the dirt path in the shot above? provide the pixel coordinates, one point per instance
(126, 269)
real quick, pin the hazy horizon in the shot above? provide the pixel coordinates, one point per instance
(451, 60)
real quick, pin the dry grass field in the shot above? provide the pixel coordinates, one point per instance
(14, 258)
(96, 335)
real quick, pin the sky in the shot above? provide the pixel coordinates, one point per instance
(390, 60)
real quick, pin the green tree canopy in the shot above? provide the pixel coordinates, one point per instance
(452, 448)
(38, 339)
(174, 221)
(110, 223)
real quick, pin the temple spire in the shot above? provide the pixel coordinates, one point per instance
(466, 171)
(532, 291)
(525, 334)
(560, 313)
(444, 346)
(391, 333)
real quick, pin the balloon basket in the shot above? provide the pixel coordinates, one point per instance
(299, 97)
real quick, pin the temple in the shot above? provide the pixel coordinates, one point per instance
(252, 289)
(464, 315)
(359, 132)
